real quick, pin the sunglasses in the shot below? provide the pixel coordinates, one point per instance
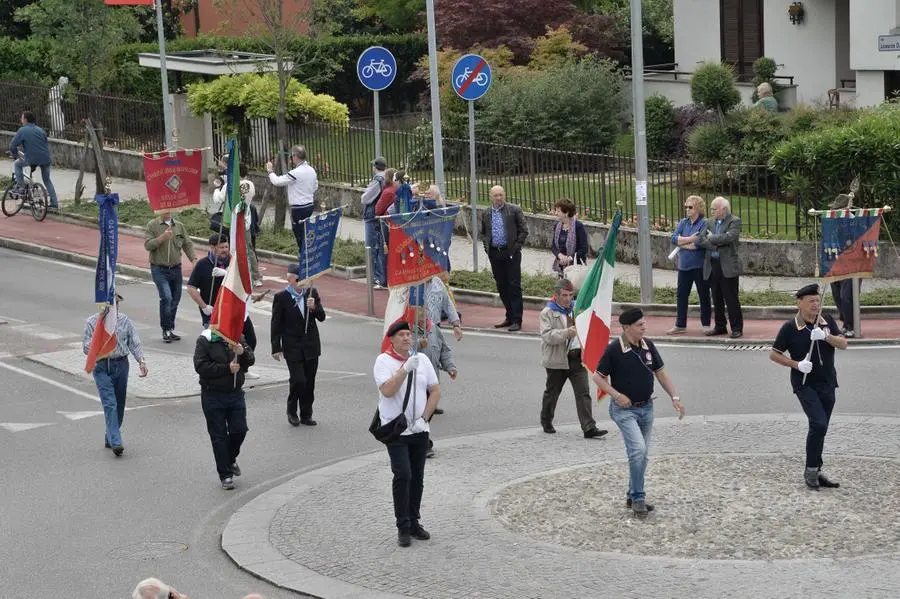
(688, 207)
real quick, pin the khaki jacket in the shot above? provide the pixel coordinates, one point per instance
(554, 340)
(168, 253)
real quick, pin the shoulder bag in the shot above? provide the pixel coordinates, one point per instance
(390, 432)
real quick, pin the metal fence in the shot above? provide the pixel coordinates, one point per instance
(124, 123)
(535, 178)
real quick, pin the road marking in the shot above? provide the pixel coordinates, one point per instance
(71, 265)
(79, 415)
(37, 330)
(17, 427)
(50, 381)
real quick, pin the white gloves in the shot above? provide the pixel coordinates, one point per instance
(208, 310)
(419, 426)
(804, 366)
(411, 364)
(817, 334)
(219, 272)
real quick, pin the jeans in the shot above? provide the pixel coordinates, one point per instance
(375, 240)
(19, 167)
(817, 402)
(303, 386)
(636, 425)
(111, 377)
(687, 279)
(226, 422)
(168, 284)
(507, 272)
(578, 377)
(408, 465)
(725, 293)
(299, 213)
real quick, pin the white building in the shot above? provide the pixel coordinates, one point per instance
(839, 51)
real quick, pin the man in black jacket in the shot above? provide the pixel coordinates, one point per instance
(221, 366)
(503, 232)
(295, 334)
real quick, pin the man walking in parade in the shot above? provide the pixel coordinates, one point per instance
(561, 357)
(301, 182)
(206, 278)
(221, 366)
(809, 339)
(111, 374)
(166, 240)
(295, 335)
(503, 231)
(626, 373)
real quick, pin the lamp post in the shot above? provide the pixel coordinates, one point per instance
(645, 257)
(437, 139)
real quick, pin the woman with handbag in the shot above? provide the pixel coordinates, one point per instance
(408, 393)
(570, 240)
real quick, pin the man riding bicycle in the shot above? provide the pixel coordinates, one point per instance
(33, 141)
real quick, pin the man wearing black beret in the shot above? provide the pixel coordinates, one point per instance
(810, 339)
(631, 363)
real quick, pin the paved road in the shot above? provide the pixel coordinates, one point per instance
(85, 520)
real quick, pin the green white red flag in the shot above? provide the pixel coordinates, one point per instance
(230, 308)
(593, 309)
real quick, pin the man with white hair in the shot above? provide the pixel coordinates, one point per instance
(722, 266)
(151, 588)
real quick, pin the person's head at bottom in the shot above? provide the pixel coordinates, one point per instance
(152, 588)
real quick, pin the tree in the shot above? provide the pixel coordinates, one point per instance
(83, 36)
(172, 11)
(9, 26)
(343, 17)
(396, 15)
(658, 16)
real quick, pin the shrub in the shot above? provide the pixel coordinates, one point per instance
(764, 72)
(713, 85)
(688, 118)
(660, 114)
(710, 142)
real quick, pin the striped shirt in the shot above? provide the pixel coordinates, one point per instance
(127, 339)
(301, 182)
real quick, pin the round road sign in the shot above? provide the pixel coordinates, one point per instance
(376, 68)
(471, 77)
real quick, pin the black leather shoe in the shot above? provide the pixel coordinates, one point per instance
(502, 325)
(438, 411)
(292, 418)
(714, 332)
(166, 337)
(174, 337)
(515, 327)
(826, 482)
(404, 539)
(811, 478)
(419, 533)
(736, 334)
(594, 433)
(308, 422)
(548, 428)
(640, 508)
(118, 450)
(235, 469)
(646, 505)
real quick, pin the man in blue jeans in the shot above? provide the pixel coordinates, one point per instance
(33, 141)
(374, 237)
(626, 372)
(111, 374)
(166, 238)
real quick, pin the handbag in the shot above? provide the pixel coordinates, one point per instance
(390, 432)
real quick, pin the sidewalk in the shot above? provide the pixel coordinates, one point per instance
(74, 243)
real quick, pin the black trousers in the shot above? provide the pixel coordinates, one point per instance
(299, 213)
(817, 402)
(578, 377)
(507, 272)
(725, 294)
(408, 465)
(226, 422)
(842, 293)
(303, 386)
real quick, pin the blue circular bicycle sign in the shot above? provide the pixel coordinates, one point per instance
(471, 77)
(376, 68)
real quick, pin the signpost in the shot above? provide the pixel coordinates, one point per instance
(376, 69)
(471, 79)
(645, 257)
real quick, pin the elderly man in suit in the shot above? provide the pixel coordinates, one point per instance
(503, 232)
(722, 266)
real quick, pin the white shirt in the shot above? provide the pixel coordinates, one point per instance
(302, 183)
(390, 407)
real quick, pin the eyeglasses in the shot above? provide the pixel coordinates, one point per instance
(688, 207)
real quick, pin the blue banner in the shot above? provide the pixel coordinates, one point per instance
(105, 279)
(419, 245)
(319, 232)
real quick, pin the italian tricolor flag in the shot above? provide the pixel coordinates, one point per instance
(593, 309)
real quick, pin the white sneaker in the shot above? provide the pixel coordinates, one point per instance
(251, 375)
(258, 283)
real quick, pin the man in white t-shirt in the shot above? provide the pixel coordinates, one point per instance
(301, 182)
(392, 372)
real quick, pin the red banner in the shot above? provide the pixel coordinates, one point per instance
(128, 2)
(173, 179)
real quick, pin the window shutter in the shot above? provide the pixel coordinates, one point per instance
(742, 34)
(731, 30)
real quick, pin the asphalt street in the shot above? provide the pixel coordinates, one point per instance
(75, 521)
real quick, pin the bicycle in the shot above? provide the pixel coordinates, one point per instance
(481, 79)
(34, 195)
(376, 67)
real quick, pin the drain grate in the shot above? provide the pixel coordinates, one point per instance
(748, 347)
(147, 550)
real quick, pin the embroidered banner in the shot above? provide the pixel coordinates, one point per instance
(105, 277)
(173, 179)
(319, 232)
(849, 243)
(419, 244)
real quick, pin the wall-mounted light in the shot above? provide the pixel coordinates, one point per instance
(796, 13)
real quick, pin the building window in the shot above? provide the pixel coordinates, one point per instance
(742, 34)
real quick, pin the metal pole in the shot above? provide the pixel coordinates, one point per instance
(370, 290)
(856, 324)
(438, 141)
(168, 118)
(645, 257)
(473, 187)
(377, 107)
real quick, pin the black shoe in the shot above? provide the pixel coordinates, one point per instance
(228, 483)
(404, 539)
(640, 508)
(826, 482)
(107, 445)
(235, 469)
(118, 450)
(548, 428)
(419, 533)
(515, 327)
(503, 324)
(594, 433)
(714, 332)
(308, 422)
(811, 478)
(438, 411)
(736, 334)
(292, 418)
(166, 337)
(173, 336)
(646, 505)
